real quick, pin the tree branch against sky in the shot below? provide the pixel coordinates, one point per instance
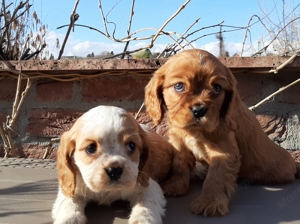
(153, 14)
(21, 32)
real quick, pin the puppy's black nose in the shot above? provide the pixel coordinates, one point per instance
(199, 111)
(114, 173)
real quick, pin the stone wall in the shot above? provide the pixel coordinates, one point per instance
(51, 107)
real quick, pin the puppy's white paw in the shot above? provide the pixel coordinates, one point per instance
(144, 216)
(77, 218)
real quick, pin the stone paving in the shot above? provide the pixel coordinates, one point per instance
(28, 163)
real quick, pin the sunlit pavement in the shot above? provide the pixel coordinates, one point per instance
(28, 189)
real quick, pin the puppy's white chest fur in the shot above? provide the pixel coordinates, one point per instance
(195, 146)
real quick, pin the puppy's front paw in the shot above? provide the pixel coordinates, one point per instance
(175, 186)
(77, 218)
(210, 206)
(144, 217)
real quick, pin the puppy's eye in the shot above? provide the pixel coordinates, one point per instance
(91, 149)
(179, 87)
(130, 146)
(217, 88)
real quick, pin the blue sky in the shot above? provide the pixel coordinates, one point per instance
(152, 13)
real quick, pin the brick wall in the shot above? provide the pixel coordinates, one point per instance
(51, 107)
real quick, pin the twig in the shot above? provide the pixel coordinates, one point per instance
(273, 94)
(49, 148)
(167, 33)
(129, 27)
(103, 18)
(177, 44)
(168, 47)
(92, 28)
(203, 28)
(138, 113)
(73, 18)
(164, 25)
(246, 32)
(23, 95)
(115, 26)
(13, 18)
(5, 141)
(130, 37)
(275, 70)
(5, 132)
(122, 40)
(282, 29)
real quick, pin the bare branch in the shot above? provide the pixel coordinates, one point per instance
(203, 28)
(139, 111)
(13, 18)
(196, 21)
(282, 29)
(275, 70)
(73, 18)
(7, 128)
(246, 32)
(103, 18)
(115, 26)
(92, 28)
(164, 25)
(273, 94)
(180, 39)
(129, 27)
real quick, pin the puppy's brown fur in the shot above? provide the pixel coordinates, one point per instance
(226, 136)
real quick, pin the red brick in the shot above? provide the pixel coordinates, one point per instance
(8, 89)
(37, 151)
(51, 122)
(275, 126)
(53, 91)
(113, 88)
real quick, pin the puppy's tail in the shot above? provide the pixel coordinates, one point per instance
(297, 175)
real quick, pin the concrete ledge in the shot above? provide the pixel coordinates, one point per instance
(141, 65)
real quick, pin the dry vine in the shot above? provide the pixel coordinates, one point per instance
(7, 128)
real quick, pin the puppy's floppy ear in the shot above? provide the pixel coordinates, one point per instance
(230, 103)
(65, 166)
(226, 104)
(143, 175)
(154, 100)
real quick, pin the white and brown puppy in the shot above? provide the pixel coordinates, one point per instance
(108, 156)
(207, 117)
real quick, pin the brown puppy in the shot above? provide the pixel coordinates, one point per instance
(207, 117)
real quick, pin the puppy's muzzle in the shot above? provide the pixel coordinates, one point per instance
(199, 111)
(114, 173)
